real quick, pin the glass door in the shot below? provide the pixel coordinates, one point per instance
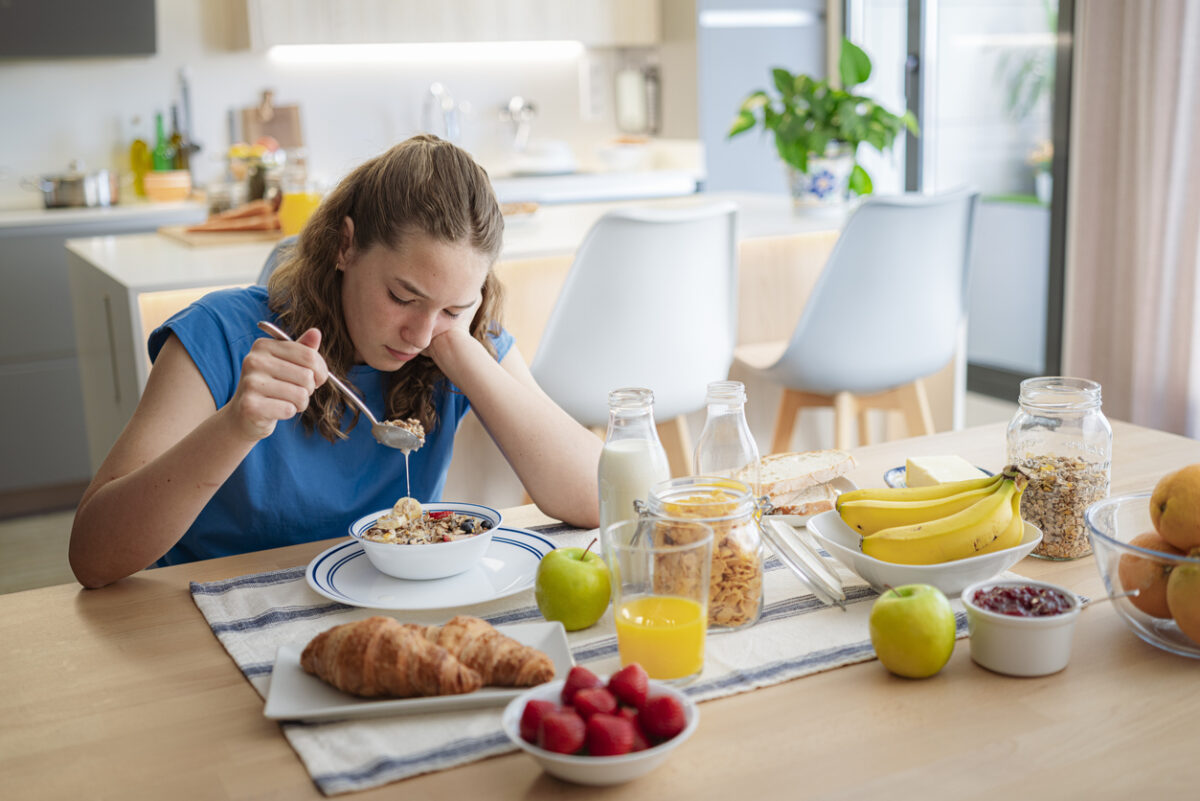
(989, 81)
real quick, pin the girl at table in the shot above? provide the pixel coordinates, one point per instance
(239, 443)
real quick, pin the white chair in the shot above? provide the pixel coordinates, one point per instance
(885, 312)
(651, 301)
(275, 257)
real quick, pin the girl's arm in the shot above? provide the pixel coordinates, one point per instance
(554, 456)
(178, 449)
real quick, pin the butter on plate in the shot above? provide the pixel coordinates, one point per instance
(926, 471)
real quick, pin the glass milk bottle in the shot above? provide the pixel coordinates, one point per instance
(726, 447)
(633, 459)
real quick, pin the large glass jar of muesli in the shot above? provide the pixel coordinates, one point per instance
(735, 595)
(1062, 440)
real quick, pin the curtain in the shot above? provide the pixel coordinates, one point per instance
(1132, 313)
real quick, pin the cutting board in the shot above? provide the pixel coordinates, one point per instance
(206, 238)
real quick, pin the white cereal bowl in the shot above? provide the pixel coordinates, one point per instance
(435, 560)
(1020, 646)
(845, 545)
(596, 770)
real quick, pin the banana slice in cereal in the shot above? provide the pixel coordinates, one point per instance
(390, 522)
(407, 510)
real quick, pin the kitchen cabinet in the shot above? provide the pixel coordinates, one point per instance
(41, 403)
(596, 23)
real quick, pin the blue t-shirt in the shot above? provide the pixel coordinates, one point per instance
(294, 486)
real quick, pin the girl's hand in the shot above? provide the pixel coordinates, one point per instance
(445, 345)
(278, 378)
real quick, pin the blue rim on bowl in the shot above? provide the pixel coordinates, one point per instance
(427, 561)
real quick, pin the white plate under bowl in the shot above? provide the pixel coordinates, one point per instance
(344, 574)
(296, 695)
(845, 545)
(602, 770)
(840, 484)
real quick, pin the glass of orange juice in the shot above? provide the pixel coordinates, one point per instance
(660, 569)
(298, 203)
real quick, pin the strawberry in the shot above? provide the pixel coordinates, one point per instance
(630, 685)
(591, 700)
(662, 717)
(562, 732)
(578, 678)
(639, 737)
(609, 735)
(532, 716)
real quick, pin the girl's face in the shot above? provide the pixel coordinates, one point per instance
(397, 300)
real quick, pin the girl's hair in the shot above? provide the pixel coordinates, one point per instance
(424, 185)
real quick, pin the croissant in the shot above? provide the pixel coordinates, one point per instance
(500, 660)
(380, 657)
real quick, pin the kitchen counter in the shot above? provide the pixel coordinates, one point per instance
(103, 216)
(150, 263)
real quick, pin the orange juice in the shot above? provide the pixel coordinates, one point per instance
(295, 209)
(664, 634)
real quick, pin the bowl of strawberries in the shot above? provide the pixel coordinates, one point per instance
(592, 730)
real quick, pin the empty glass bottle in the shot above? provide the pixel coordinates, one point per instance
(726, 447)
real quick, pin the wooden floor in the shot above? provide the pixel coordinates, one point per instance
(33, 550)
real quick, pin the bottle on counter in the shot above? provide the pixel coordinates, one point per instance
(178, 146)
(140, 159)
(633, 458)
(163, 155)
(726, 447)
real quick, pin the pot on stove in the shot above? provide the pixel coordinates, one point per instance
(76, 188)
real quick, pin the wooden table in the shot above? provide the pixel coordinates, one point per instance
(125, 693)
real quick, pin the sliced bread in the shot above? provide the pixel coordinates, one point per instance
(784, 473)
(808, 501)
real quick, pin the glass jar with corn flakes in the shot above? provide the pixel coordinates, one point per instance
(735, 596)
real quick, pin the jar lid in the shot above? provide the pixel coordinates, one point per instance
(804, 560)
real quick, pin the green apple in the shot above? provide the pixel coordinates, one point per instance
(912, 629)
(572, 586)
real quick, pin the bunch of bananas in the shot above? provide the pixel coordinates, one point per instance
(942, 523)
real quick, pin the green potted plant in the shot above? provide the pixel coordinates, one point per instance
(818, 127)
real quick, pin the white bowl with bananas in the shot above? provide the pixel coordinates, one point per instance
(949, 535)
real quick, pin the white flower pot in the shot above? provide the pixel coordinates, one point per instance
(826, 185)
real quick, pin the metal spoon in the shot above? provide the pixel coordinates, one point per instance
(392, 436)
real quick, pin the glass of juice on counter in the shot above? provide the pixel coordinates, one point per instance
(299, 201)
(660, 569)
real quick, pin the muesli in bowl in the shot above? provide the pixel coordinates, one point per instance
(426, 541)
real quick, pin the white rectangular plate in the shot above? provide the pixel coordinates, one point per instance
(296, 695)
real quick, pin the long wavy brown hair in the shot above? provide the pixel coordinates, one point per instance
(422, 185)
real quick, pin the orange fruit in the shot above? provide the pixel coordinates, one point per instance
(1175, 507)
(1148, 575)
(1183, 597)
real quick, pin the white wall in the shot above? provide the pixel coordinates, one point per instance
(57, 110)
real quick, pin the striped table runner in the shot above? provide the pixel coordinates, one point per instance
(253, 615)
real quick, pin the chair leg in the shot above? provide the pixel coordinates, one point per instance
(865, 435)
(844, 409)
(677, 442)
(785, 420)
(914, 403)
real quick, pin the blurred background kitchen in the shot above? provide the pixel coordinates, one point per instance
(562, 102)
